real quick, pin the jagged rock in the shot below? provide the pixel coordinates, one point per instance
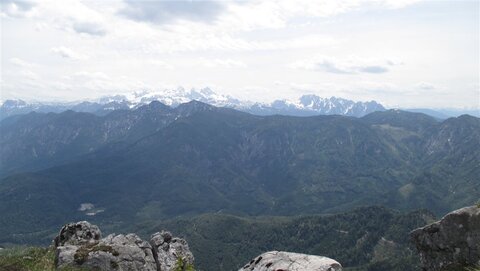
(79, 233)
(280, 260)
(452, 242)
(168, 250)
(79, 245)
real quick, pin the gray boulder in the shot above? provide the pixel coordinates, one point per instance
(280, 260)
(79, 245)
(170, 251)
(453, 242)
(114, 252)
(79, 233)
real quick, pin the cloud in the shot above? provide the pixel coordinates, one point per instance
(425, 86)
(372, 69)
(90, 28)
(22, 63)
(75, 16)
(24, 69)
(29, 75)
(85, 75)
(67, 53)
(222, 63)
(161, 64)
(164, 11)
(16, 8)
(348, 66)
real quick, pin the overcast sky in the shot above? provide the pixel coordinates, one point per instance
(401, 53)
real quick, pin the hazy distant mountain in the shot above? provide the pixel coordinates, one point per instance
(307, 105)
(430, 112)
(458, 112)
(157, 162)
(446, 113)
(18, 107)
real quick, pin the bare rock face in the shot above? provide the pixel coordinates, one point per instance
(79, 233)
(79, 245)
(280, 260)
(170, 251)
(453, 242)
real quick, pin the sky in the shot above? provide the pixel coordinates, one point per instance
(401, 53)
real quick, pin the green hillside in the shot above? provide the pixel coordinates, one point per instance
(219, 160)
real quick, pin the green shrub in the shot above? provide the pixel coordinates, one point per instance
(182, 266)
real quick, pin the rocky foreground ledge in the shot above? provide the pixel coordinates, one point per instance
(80, 245)
(452, 243)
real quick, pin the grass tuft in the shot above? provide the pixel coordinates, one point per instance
(30, 259)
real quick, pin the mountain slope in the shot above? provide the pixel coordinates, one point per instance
(251, 165)
(451, 175)
(370, 238)
(37, 140)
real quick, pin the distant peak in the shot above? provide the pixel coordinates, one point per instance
(12, 103)
(155, 105)
(192, 107)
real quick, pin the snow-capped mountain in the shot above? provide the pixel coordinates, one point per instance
(173, 97)
(307, 105)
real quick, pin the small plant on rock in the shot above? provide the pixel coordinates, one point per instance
(183, 266)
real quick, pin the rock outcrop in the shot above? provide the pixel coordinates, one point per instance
(280, 260)
(451, 243)
(170, 251)
(80, 245)
(80, 233)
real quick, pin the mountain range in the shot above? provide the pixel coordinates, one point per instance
(159, 162)
(307, 105)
